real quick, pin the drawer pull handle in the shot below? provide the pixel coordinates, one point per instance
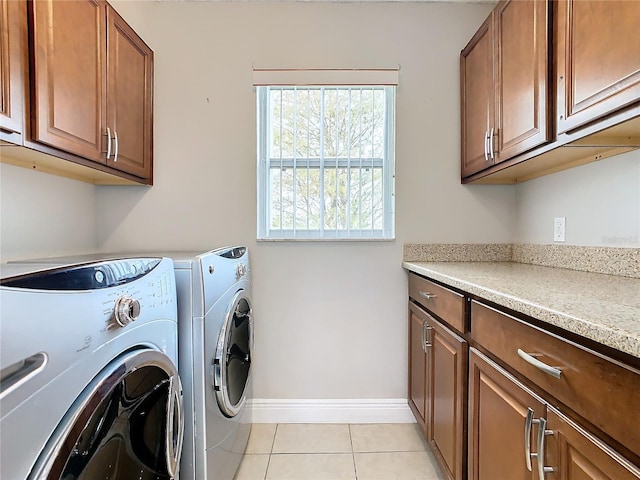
(549, 370)
(427, 295)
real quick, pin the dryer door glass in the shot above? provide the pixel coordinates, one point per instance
(128, 424)
(233, 356)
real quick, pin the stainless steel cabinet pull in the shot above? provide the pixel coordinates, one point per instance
(428, 342)
(527, 438)
(424, 336)
(491, 144)
(108, 143)
(486, 150)
(115, 153)
(542, 432)
(427, 295)
(530, 358)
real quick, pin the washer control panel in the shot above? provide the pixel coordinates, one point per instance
(92, 276)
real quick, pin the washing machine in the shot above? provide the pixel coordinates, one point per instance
(215, 346)
(89, 384)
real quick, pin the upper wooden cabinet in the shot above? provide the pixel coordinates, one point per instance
(504, 85)
(129, 98)
(69, 74)
(13, 61)
(598, 59)
(539, 96)
(92, 85)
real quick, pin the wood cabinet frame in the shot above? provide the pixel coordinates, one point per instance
(72, 120)
(13, 72)
(585, 122)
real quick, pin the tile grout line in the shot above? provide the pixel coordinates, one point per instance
(353, 454)
(273, 441)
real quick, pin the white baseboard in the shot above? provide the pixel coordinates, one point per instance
(392, 410)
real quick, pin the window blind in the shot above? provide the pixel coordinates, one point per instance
(325, 77)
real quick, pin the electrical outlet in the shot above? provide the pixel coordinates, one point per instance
(558, 229)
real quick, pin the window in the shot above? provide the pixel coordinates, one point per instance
(326, 162)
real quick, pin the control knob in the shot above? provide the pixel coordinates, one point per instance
(127, 310)
(241, 270)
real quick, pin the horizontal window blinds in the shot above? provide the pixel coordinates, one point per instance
(325, 77)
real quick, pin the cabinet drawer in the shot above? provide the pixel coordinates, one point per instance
(445, 303)
(597, 388)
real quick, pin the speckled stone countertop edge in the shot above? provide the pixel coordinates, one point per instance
(609, 260)
(609, 335)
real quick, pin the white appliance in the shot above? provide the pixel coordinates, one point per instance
(215, 345)
(89, 386)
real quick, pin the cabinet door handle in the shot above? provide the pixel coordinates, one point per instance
(542, 432)
(428, 342)
(108, 143)
(491, 144)
(528, 422)
(115, 143)
(427, 295)
(486, 143)
(424, 336)
(530, 358)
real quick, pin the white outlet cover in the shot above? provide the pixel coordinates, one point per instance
(559, 224)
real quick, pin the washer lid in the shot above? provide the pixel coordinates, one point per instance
(91, 276)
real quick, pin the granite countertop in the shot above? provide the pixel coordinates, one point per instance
(604, 308)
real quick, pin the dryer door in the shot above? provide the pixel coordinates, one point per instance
(128, 423)
(232, 361)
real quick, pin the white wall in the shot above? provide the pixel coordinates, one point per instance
(43, 215)
(331, 317)
(600, 200)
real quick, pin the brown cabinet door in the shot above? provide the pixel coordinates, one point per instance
(521, 49)
(129, 93)
(477, 99)
(575, 454)
(69, 75)
(504, 73)
(598, 59)
(447, 376)
(417, 362)
(13, 57)
(498, 406)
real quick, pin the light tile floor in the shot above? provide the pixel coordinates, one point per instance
(337, 452)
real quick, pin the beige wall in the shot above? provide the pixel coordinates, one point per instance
(42, 215)
(330, 317)
(600, 201)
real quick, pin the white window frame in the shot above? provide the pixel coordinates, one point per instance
(265, 233)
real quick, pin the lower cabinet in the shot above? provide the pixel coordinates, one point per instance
(499, 398)
(515, 435)
(498, 407)
(437, 388)
(574, 454)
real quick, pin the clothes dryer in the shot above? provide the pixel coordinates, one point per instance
(89, 385)
(215, 346)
